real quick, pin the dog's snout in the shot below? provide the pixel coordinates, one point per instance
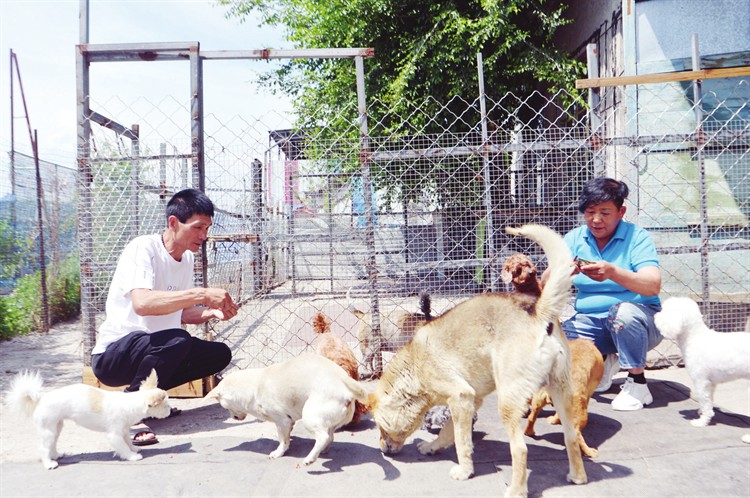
(389, 447)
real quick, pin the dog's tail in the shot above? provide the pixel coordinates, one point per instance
(425, 305)
(25, 391)
(321, 324)
(554, 297)
(357, 389)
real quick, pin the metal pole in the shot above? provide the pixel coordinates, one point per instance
(486, 172)
(83, 22)
(330, 230)
(699, 144)
(85, 182)
(135, 200)
(256, 191)
(40, 220)
(371, 263)
(13, 218)
(595, 119)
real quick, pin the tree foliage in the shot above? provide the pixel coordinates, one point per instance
(423, 50)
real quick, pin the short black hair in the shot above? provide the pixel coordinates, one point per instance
(189, 202)
(600, 190)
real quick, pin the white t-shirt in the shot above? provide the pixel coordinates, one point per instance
(143, 264)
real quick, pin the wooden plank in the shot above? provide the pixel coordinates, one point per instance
(189, 390)
(642, 79)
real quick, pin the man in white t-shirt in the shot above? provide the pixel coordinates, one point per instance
(151, 295)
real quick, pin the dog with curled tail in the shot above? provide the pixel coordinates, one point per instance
(509, 343)
(96, 409)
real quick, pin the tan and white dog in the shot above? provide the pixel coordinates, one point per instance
(506, 342)
(308, 387)
(112, 412)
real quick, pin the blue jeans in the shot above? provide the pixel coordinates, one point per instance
(628, 329)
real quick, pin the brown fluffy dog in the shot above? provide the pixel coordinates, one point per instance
(521, 272)
(335, 349)
(397, 330)
(509, 343)
(588, 367)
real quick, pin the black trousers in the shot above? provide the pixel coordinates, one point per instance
(176, 356)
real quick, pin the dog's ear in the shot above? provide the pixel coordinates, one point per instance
(157, 399)
(150, 382)
(506, 276)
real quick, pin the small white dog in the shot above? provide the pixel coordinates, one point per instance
(112, 412)
(308, 387)
(710, 357)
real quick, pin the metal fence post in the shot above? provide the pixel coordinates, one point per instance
(371, 264)
(699, 144)
(486, 172)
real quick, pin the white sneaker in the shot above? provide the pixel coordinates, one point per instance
(611, 367)
(632, 397)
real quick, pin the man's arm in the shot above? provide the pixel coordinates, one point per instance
(646, 281)
(147, 302)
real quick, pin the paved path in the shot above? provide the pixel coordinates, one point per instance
(652, 452)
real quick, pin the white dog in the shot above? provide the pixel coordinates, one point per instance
(710, 357)
(112, 412)
(309, 387)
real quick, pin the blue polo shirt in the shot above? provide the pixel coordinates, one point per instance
(630, 247)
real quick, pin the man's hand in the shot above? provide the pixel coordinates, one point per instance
(599, 270)
(219, 300)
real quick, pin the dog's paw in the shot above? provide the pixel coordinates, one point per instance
(427, 447)
(461, 473)
(308, 461)
(49, 464)
(590, 452)
(133, 457)
(515, 493)
(700, 422)
(579, 479)
(279, 452)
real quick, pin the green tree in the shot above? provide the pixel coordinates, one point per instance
(425, 53)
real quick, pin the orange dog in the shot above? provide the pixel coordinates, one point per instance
(588, 367)
(335, 349)
(521, 272)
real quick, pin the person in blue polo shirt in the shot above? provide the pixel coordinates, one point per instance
(618, 280)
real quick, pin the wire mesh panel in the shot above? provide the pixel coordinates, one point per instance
(290, 238)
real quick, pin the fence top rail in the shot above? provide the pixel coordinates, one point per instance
(183, 50)
(642, 79)
(308, 53)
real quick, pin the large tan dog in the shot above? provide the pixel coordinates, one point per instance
(506, 342)
(308, 387)
(588, 368)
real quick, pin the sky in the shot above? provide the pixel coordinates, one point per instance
(43, 34)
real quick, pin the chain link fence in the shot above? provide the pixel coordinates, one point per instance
(323, 221)
(37, 225)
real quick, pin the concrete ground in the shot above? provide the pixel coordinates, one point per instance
(651, 452)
